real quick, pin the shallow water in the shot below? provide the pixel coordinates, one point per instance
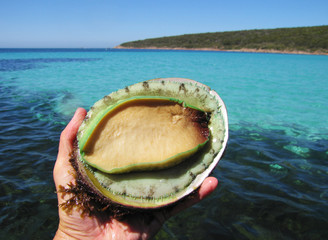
(272, 179)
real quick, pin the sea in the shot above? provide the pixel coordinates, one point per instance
(273, 178)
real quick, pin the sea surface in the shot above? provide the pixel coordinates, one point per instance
(273, 179)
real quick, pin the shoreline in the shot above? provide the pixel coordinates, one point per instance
(242, 50)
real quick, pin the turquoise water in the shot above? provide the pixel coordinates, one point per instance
(272, 179)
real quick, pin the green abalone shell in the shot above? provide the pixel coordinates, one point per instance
(163, 176)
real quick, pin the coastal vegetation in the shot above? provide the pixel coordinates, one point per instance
(299, 39)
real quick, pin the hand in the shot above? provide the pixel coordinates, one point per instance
(138, 226)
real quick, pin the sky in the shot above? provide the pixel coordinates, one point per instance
(108, 23)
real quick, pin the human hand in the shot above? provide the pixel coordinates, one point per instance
(137, 226)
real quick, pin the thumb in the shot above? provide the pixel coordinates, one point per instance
(62, 167)
(68, 135)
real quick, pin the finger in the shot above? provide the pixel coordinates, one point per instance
(69, 133)
(63, 170)
(207, 187)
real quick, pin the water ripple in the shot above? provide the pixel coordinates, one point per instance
(9, 65)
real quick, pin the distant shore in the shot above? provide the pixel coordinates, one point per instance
(245, 50)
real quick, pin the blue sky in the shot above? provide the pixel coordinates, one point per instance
(107, 23)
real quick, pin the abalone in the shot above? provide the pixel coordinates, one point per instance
(152, 143)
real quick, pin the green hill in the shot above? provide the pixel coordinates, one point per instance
(304, 39)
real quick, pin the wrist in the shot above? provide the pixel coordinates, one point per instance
(60, 235)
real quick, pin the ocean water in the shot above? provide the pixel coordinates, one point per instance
(273, 179)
